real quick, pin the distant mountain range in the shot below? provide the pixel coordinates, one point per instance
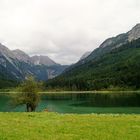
(16, 65)
(36, 60)
(116, 62)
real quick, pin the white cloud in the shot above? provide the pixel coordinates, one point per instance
(64, 29)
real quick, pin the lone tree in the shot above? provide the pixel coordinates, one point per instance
(29, 94)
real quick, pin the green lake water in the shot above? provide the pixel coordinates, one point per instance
(79, 103)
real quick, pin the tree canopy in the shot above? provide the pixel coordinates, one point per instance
(28, 94)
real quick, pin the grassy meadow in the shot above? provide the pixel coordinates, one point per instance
(54, 126)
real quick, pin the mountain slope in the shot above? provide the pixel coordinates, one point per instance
(112, 43)
(16, 65)
(22, 56)
(119, 68)
(115, 63)
(85, 55)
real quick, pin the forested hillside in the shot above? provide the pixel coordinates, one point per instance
(117, 68)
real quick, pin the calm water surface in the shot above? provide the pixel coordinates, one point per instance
(80, 104)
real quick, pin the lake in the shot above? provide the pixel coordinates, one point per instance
(81, 103)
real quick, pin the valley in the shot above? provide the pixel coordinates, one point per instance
(69, 69)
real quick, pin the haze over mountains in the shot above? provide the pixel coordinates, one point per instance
(36, 60)
(85, 55)
(17, 65)
(116, 62)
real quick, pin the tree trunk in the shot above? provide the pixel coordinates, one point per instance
(30, 107)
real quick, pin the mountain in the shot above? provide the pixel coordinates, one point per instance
(85, 55)
(134, 33)
(42, 60)
(115, 63)
(6, 52)
(22, 56)
(115, 42)
(16, 65)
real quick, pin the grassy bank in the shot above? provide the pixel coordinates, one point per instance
(52, 126)
(9, 91)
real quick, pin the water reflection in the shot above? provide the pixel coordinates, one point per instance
(82, 103)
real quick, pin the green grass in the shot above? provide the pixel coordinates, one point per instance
(52, 126)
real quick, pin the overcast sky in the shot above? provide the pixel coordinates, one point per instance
(64, 29)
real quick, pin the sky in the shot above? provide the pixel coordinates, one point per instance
(64, 29)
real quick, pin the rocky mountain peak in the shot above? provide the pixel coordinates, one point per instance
(117, 41)
(21, 56)
(134, 33)
(42, 60)
(6, 52)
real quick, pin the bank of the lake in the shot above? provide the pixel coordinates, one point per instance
(53, 126)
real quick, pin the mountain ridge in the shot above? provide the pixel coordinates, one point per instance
(109, 44)
(114, 63)
(86, 54)
(16, 65)
(42, 60)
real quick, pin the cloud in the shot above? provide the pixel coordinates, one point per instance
(64, 29)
